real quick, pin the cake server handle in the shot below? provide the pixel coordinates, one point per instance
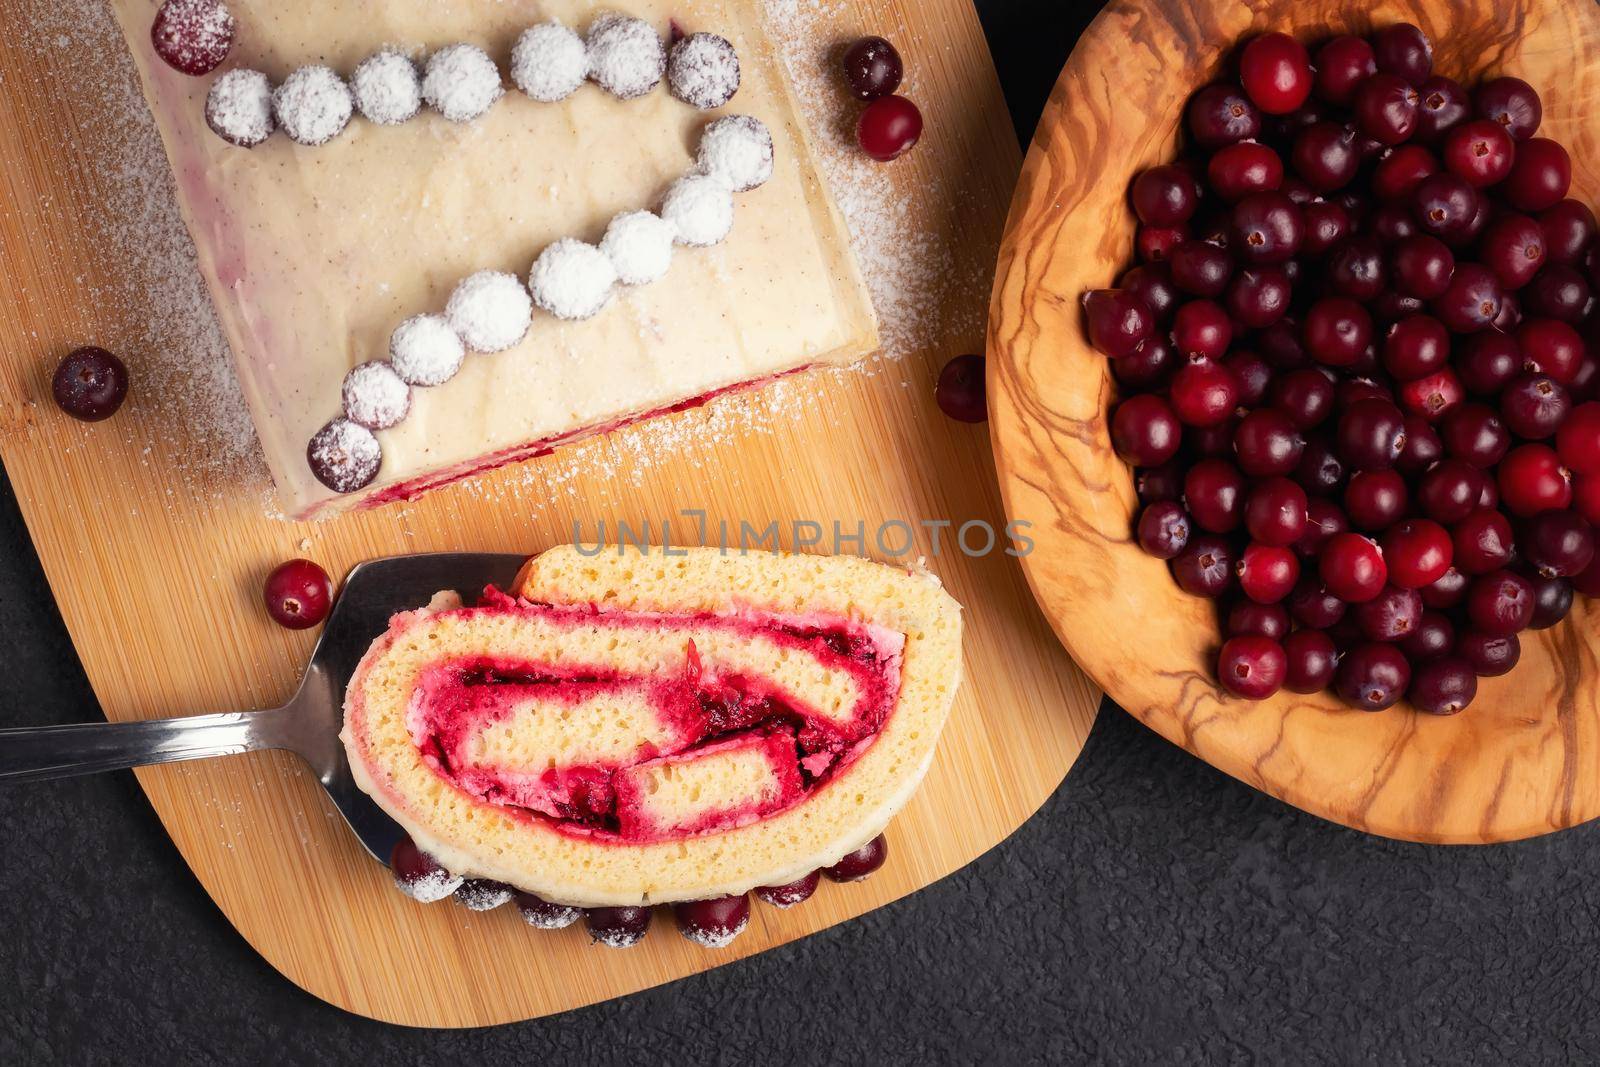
(40, 753)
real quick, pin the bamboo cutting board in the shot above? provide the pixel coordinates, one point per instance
(156, 539)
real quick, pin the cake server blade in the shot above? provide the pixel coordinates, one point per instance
(308, 725)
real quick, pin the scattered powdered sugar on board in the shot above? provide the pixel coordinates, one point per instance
(175, 348)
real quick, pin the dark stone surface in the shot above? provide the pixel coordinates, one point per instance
(1154, 910)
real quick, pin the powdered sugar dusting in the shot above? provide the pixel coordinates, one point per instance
(431, 887)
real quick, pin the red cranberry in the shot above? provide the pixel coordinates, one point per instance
(1474, 433)
(1430, 399)
(193, 36)
(1214, 490)
(1205, 567)
(1310, 659)
(1313, 606)
(1510, 102)
(1479, 152)
(1540, 176)
(1155, 243)
(298, 594)
(1342, 64)
(1422, 266)
(1165, 195)
(1513, 247)
(889, 128)
(873, 68)
(1267, 443)
(1392, 223)
(961, 393)
(1415, 347)
(1510, 316)
(1487, 362)
(1152, 283)
(1392, 615)
(1276, 72)
(1220, 115)
(483, 894)
(1490, 655)
(1202, 330)
(854, 866)
(1267, 573)
(1401, 170)
(1326, 155)
(1259, 297)
(1326, 224)
(1371, 434)
(1306, 396)
(1248, 619)
(1500, 603)
(1551, 347)
(1320, 470)
(1280, 344)
(1275, 512)
(1471, 301)
(1444, 205)
(1531, 479)
(792, 893)
(1447, 592)
(1375, 500)
(1240, 169)
(1449, 492)
(1433, 636)
(617, 927)
(1200, 268)
(1251, 667)
(1204, 393)
(1418, 552)
(1533, 405)
(1267, 228)
(1558, 544)
(1337, 331)
(1552, 601)
(1442, 106)
(1443, 686)
(1323, 520)
(1404, 50)
(713, 923)
(90, 384)
(1559, 292)
(1356, 269)
(1482, 542)
(1578, 440)
(1151, 364)
(1569, 231)
(1423, 448)
(545, 915)
(1163, 529)
(1386, 108)
(1212, 441)
(1118, 321)
(1352, 568)
(419, 875)
(1586, 498)
(1372, 676)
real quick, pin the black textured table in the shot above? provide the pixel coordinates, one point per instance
(1153, 910)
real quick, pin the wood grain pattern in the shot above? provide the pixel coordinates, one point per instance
(1522, 760)
(159, 578)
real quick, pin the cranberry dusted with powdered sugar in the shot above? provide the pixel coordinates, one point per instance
(543, 915)
(419, 875)
(713, 923)
(703, 70)
(549, 62)
(90, 384)
(344, 456)
(239, 108)
(313, 105)
(626, 57)
(854, 866)
(617, 927)
(792, 893)
(193, 36)
(481, 894)
(461, 82)
(375, 396)
(387, 88)
(737, 150)
(298, 594)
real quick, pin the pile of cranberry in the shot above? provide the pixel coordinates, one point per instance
(1358, 369)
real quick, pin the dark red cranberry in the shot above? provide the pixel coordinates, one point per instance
(1160, 483)
(1356, 269)
(1586, 501)
(1559, 292)
(1163, 529)
(1482, 542)
(1251, 667)
(1310, 659)
(1352, 568)
(1325, 154)
(1252, 373)
(1443, 686)
(418, 874)
(1337, 330)
(1375, 500)
(1118, 321)
(1267, 443)
(889, 128)
(1306, 396)
(90, 384)
(1214, 490)
(1267, 573)
(1447, 592)
(1540, 176)
(1569, 231)
(617, 927)
(1558, 544)
(1351, 391)
(1404, 50)
(1500, 603)
(1490, 655)
(1155, 243)
(1513, 247)
(1479, 152)
(1444, 205)
(1386, 108)
(1430, 399)
(1534, 405)
(1371, 434)
(1280, 345)
(1212, 441)
(1416, 347)
(1275, 512)
(1418, 552)
(1449, 492)
(1151, 364)
(1152, 283)
(193, 36)
(1204, 393)
(1259, 297)
(1422, 266)
(961, 393)
(1202, 330)
(1220, 115)
(1267, 228)
(1320, 471)
(1205, 567)
(1400, 171)
(1323, 521)
(1442, 105)
(1392, 615)
(1424, 447)
(1166, 195)
(1531, 479)
(1247, 618)
(1144, 430)
(1200, 268)
(854, 866)
(298, 594)
(1276, 72)
(544, 915)
(1326, 224)
(483, 894)
(1551, 347)
(791, 893)
(713, 923)
(1433, 636)
(1510, 316)
(1342, 64)
(1240, 169)
(1552, 601)
(872, 68)
(1487, 362)
(1391, 223)
(1312, 605)
(1471, 301)
(1510, 102)
(1578, 440)
(1372, 676)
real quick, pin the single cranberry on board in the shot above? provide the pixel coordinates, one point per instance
(713, 923)
(889, 128)
(961, 392)
(298, 594)
(791, 893)
(873, 68)
(90, 384)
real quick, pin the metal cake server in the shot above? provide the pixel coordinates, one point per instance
(308, 725)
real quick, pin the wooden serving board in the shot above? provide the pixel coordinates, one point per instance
(1522, 760)
(156, 554)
